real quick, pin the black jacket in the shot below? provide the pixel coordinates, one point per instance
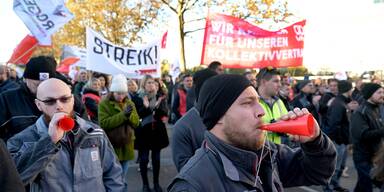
(8, 84)
(152, 133)
(217, 166)
(338, 122)
(18, 110)
(305, 101)
(323, 108)
(9, 177)
(367, 131)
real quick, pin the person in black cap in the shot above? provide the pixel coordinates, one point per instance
(18, 109)
(306, 98)
(367, 131)
(188, 132)
(338, 130)
(235, 155)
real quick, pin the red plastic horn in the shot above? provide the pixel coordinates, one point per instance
(300, 126)
(66, 123)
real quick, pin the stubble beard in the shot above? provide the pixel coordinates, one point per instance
(243, 140)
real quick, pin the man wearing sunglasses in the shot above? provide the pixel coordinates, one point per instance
(17, 106)
(51, 159)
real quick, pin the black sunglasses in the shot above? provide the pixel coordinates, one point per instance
(52, 101)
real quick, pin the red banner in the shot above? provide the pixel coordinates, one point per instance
(239, 44)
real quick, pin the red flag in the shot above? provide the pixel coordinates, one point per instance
(23, 52)
(164, 40)
(65, 63)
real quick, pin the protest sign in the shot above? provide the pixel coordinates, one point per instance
(239, 44)
(105, 57)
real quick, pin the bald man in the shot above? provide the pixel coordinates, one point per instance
(52, 159)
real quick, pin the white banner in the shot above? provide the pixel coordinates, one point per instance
(106, 57)
(42, 17)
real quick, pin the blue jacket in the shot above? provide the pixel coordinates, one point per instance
(89, 164)
(217, 166)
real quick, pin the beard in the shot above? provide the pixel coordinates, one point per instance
(244, 140)
(48, 118)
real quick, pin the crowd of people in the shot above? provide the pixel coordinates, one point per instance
(216, 144)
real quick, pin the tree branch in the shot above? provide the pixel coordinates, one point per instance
(193, 4)
(187, 32)
(195, 20)
(169, 6)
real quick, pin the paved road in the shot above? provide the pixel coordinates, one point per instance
(168, 171)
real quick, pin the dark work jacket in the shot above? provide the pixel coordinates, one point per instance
(188, 134)
(305, 101)
(338, 122)
(323, 109)
(18, 110)
(367, 131)
(7, 85)
(9, 177)
(217, 166)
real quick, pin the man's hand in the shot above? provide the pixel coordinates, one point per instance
(297, 113)
(53, 130)
(353, 105)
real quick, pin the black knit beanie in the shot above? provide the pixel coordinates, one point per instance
(369, 89)
(302, 84)
(344, 86)
(217, 95)
(40, 68)
(200, 77)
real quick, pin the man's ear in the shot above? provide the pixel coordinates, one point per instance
(38, 104)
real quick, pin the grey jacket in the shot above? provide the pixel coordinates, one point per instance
(217, 166)
(188, 134)
(89, 164)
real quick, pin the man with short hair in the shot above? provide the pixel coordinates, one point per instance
(235, 155)
(51, 159)
(217, 67)
(269, 84)
(5, 82)
(367, 131)
(179, 101)
(326, 101)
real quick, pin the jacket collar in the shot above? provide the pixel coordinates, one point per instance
(238, 164)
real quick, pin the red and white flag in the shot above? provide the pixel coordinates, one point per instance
(24, 50)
